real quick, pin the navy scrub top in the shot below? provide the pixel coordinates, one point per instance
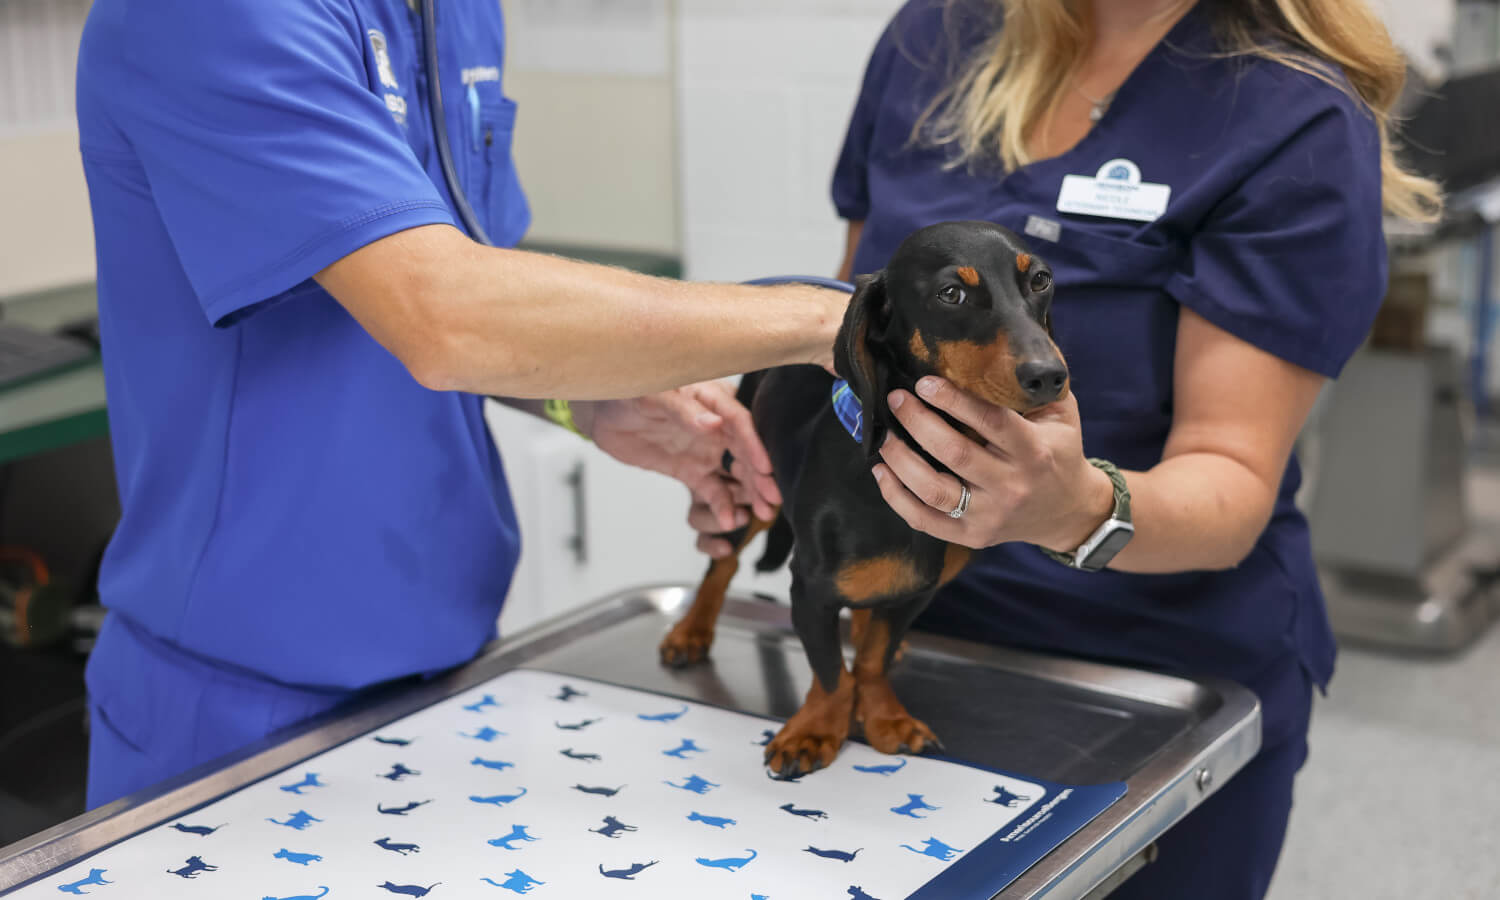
(295, 504)
(1272, 232)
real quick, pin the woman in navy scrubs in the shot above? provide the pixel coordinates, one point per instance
(1207, 182)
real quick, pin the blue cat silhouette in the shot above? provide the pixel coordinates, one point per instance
(694, 783)
(96, 876)
(567, 693)
(765, 738)
(400, 810)
(912, 806)
(486, 734)
(627, 874)
(731, 864)
(576, 726)
(398, 772)
(517, 833)
(394, 742)
(200, 830)
(585, 757)
(843, 855)
(613, 827)
(486, 701)
(793, 778)
(499, 799)
(601, 791)
(310, 780)
(804, 813)
(856, 894)
(715, 821)
(882, 770)
(936, 849)
(299, 820)
(409, 890)
(194, 867)
(300, 859)
(517, 882)
(663, 717)
(1006, 798)
(497, 764)
(681, 750)
(322, 892)
(403, 849)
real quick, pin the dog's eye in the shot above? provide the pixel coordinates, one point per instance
(952, 294)
(1041, 281)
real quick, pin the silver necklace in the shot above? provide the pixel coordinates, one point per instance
(1099, 105)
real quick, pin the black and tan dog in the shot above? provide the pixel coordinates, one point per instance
(963, 300)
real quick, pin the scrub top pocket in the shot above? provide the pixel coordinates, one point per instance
(492, 184)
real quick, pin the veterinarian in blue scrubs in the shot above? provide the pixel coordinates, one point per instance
(1212, 212)
(296, 341)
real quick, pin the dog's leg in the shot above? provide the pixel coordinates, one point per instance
(859, 622)
(887, 725)
(811, 739)
(688, 641)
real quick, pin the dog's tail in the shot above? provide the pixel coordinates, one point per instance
(779, 542)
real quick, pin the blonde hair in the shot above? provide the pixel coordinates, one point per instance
(994, 102)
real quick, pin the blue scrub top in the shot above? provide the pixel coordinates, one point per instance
(1272, 233)
(295, 504)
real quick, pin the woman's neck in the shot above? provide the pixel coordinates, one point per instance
(1136, 19)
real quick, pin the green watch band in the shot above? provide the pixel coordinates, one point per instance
(1121, 511)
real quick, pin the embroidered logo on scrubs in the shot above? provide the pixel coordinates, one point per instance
(476, 74)
(393, 101)
(1115, 192)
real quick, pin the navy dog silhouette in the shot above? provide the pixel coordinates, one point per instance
(585, 757)
(681, 750)
(517, 833)
(517, 882)
(804, 813)
(394, 742)
(403, 849)
(398, 772)
(663, 717)
(844, 855)
(715, 821)
(694, 783)
(499, 765)
(912, 806)
(400, 810)
(627, 874)
(1006, 798)
(481, 703)
(567, 693)
(300, 859)
(792, 777)
(731, 864)
(322, 892)
(310, 780)
(577, 726)
(936, 849)
(200, 830)
(856, 894)
(765, 738)
(195, 867)
(882, 770)
(299, 820)
(409, 890)
(601, 791)
(499, 799)
(613, 827)
(486, 734)
(96, 876)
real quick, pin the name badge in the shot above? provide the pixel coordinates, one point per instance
(1116, 192)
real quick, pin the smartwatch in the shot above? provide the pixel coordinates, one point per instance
(1108, 539)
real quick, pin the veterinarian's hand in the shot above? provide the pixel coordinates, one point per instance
(1028, 478)
(683, 433)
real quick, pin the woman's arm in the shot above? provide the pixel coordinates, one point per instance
(851, 243)
(462, 316)
(1237, 412)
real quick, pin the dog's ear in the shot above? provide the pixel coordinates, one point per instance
(859, 357)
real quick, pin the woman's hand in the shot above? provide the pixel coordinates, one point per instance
(684, 433)
(1027, 475)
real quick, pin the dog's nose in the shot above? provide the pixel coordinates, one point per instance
(1042, 379)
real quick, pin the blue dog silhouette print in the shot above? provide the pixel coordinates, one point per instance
(403, 849)
(517, 833)
(398, 772)
(681, 750)
(499, 799)
(299, 820)
(96, 876)
(567, 693)
(322, 892)
(394, 742)
(856, 894)
(912, 806)
(200, 830)
(715, 821)
(601, 791)
(765, 738)
(310, 780)
(482, 703)
(409, 890)
(627, 874)
(300, 859)
(731, 864)
(400, 810)
(663, 717)
(582, 757)
(613, 827)
(517, 882)
(1006, 798)
(576, 726)
(936, 849)
(759, 897)
(882, 770)
(694, 783)
(843, 855)
(814, 814)
(486, 734)
(195, 866)
(499, 765)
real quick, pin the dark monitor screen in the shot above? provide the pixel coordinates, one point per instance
(1452, 132)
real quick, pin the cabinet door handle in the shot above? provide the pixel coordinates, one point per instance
(578, 542)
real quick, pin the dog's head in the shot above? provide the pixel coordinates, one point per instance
(963, 300)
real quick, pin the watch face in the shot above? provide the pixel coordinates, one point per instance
(1111, 543)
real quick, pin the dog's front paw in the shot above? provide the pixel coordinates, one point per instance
(810, 740)
(888, 727)
(686, 645)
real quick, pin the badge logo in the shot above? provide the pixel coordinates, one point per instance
(383, 60)
(1115, 192)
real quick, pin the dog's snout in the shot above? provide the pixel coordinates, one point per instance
(1043, 380)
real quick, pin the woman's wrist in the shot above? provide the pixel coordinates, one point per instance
(1096, 503)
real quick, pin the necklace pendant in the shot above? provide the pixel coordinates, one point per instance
(1096, 113)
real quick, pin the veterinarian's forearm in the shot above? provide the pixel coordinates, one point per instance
(1194, 511)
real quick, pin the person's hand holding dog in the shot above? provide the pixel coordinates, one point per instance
(1028, 479)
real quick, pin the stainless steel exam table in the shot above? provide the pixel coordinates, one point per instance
(1172, 740)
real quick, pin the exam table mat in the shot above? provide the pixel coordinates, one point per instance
(558, 786)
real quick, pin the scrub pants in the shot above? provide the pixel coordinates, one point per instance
(157, 711)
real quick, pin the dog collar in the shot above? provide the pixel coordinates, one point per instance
(847, 407)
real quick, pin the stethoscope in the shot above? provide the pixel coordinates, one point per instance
(428, 10)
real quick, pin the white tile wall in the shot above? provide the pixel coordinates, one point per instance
(38, 53)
